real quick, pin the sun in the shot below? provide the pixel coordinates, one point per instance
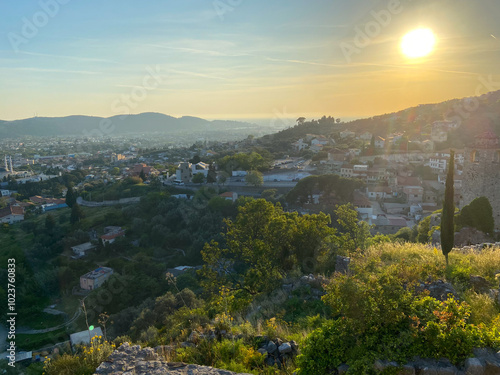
(418, 43)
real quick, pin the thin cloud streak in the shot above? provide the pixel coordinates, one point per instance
(43, 70)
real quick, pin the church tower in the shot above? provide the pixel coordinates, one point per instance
(481, 175)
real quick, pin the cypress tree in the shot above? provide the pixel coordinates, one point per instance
(70, 196)
(447, 225)
(76, 214)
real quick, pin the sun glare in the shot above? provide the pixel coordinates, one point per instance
(418, 43)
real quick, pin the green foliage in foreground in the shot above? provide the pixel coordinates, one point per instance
(378, 312)
(84, 362)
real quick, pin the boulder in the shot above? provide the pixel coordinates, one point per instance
(448, 370)
(440, 290)
(407, 370)
(479, 284)
(148, 354)
(269, 361)
(262, 351)
(342, 264)
(473, 366)
(271, 347)
(285, 348)
(342, 369)
(491, 367)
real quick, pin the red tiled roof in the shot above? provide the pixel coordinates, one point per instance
(40, 200)
(110, 236)
(227, 194)
(11, 210)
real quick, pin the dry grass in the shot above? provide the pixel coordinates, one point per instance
(485, 263)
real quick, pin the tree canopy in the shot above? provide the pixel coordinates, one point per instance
(262, 245)
(477, 214)
(330, 185)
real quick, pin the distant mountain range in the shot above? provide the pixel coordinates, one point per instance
(474, 114)
(89, 126)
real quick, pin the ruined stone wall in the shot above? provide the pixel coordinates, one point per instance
(482, 178)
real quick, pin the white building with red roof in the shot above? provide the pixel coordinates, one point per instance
(11, 214)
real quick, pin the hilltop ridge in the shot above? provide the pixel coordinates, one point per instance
(91, 126)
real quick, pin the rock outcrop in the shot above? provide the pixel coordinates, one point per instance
(484, 362)
(128, 360)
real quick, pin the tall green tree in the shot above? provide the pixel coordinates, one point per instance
(212, 174)
(142, 175)
(447, 217)
(50, 223)
(353, 233)
(254, 178)
(76, 214)
(70, 196)
(478, 214)
(198, 178)
(262, 245)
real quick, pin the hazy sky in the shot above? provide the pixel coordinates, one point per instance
(240, 58)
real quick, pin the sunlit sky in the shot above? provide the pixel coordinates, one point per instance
(252, 59)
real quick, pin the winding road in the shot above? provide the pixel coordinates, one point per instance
(27, 331)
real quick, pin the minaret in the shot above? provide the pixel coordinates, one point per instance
(10, 162)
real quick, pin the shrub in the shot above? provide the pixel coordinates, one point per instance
(229, 355)
(483, 308)
(379, 313)
(478, 214)
(84, 362)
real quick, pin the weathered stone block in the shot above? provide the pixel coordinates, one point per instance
(473, 366)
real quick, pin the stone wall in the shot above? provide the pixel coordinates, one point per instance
(482, 178)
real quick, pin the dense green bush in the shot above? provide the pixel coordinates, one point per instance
(380, 312)
(478, 214)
